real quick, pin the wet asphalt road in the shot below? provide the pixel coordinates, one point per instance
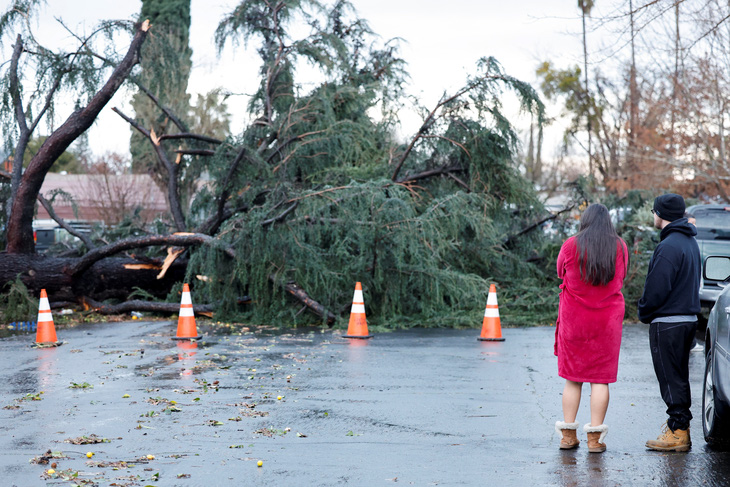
(421, 407)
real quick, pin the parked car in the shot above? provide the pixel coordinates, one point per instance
(44, 234)
(716, 387)
(713, 238)
(47, 233)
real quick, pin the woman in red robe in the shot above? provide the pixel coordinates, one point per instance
(592, 265)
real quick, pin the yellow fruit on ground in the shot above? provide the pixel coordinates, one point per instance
(260, 463)
(150, 457)
(125, 396)
(278, 398)
(89, 454)
(50, 471)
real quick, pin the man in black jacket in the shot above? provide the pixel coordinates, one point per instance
(670, 303)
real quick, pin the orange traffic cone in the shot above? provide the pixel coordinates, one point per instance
(46, 332)
(491, 328)
(358, 326)
(186, 329)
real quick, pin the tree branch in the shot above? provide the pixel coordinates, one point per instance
(226, 191)
(180, 125)
(510, 239)
(195, 152)
(299, 293)
(448, 140)
(431, 118)
(139, 305)
(187, 135)
(133, 123)
(24, 136)
(20, 231)
(281, 216)
(431, 173)
(213, 223)
(172, 171)
(47, 205)
(57, 82)
(282, 146)
(176, 239)
(459, 182)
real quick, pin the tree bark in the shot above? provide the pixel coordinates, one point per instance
(633, 106)
(186, 135)
(116, 278)
(177, 240)
(110, 278)
(195, 152)
(24, 131)
(299, 293)
(139, 305)
(20, 230)
(440, 171)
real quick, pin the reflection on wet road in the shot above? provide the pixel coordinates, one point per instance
(419, 407)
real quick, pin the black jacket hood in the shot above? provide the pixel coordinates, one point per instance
(682, 226)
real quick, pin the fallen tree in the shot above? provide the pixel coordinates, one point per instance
(314, 195)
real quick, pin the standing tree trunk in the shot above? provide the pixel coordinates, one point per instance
(633, 103)
(20, 229)
(675, 80)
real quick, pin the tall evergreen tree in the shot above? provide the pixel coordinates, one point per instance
(166, 62)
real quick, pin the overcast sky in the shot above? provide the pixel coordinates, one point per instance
(442, 42)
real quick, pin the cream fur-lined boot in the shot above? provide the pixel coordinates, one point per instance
(568, 439)
(596, 434)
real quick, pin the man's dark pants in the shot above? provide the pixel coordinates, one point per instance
(670, 347)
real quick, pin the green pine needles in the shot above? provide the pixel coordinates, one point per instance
(319, 191)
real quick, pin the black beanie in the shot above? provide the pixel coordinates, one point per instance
(669, 207)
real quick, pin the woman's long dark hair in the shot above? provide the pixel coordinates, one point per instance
(596, 241)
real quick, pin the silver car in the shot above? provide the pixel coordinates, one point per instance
(716, 390)
(713, 237)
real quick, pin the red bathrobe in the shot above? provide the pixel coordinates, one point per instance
(588, 329)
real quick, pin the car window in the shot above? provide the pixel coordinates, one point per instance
(713, 223)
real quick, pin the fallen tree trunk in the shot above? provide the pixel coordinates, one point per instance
(110, 278)
(65, 280)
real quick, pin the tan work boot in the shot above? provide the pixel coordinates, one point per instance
(596, 434)
(569, 439)
(671, 440)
